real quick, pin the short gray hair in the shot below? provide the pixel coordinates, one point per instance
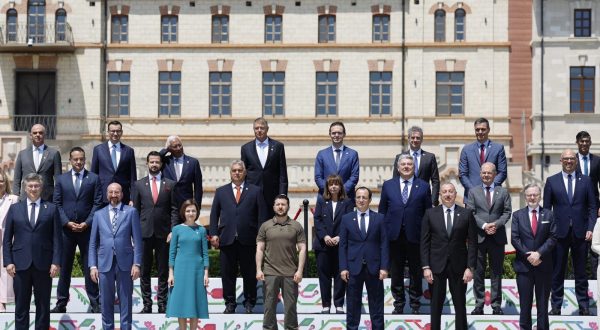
(33, 177)
(170, 139)
(415, 129)
(238, 162)
(404, 156)
(532, 185)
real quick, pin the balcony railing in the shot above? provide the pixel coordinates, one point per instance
(36, 35)
(24, 123)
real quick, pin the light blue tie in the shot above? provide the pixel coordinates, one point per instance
(415, 154)
(405, 192)
(585, 165)
(77, 183)
(113, 156)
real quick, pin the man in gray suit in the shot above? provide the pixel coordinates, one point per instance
(40, 159)
(491, 206)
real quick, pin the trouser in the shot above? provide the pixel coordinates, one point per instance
(155, 250)
(41, 283)
(231, 256)
(537, 282)
(328, 269)
(401, 251)
(458, 290)
(579, 249)
(375, 297)
(289, 292)
(489, 248)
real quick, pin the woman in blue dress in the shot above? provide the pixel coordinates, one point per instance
(188, 269)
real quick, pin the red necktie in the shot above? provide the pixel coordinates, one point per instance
(534, 222)
(482, 153)
(154, 190)
(238, 193)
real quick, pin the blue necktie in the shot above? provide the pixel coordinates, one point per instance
(113, 156)
(405, 192)
(32, 215)
(585, 165)
(337, 158)
(77, 183)
(570, 187)
(114, 220)
(363, 225)
(415, 154)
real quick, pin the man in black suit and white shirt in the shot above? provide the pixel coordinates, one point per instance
(40, 159)
(265, 163)
(184, 170)
(426, 167)
(448, 252)
(154, 199)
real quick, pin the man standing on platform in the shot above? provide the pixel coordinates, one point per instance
(184, 170)
(78, 195)
(237, 212)
(281, 244)
(403, 202)
(154, 199)
(448, 252)
(114, 161)
(426, 167)
(39, 159)
(570, 195)
(492, 208)
(337, 159)
(266, 164)
(473, 155)
(364, 260)
(534, 238)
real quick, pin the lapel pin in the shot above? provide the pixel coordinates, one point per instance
(45, 206)
(417, 186)
(458, 214)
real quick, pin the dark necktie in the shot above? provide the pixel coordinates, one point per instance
(338, 156)
(363, 225)
(32, 215)
(570, 187)
(482, 153)
(405, 192)
(585, 165)
(488, 196)
(449, 221)
(416, 159)
(77, 183)
(534, 222)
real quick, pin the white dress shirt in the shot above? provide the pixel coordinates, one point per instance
(566, 181)
(262, 149)
(110, 148)
(358, 213)
(38, 203)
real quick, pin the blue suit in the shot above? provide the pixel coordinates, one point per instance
(364, 256)
(469, 166)
(76, 208)
(529, 277)
(125, 175)
(114, 255)
(403, 223)
(573, 219)
(189, 185)
(32, 250)
(349, 169)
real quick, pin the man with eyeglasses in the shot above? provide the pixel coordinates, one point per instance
(114, 161)
(570, 196)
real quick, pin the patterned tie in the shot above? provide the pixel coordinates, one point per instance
(482, 154)
(415, 154)
(338, 156)
(113, 221)
(570, 187)
(238, 194)
(449, 221)
(77, 183)
(154, 190)
(488, 196)
(405, 192)
(113, 156)
(32, 215)
(585, 165)
(363, 225)
(534, 222)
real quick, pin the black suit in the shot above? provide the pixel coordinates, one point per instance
(156, 220)
(272, 178)
(32, 250)
(427, 171)
(189, 185)
(448, 257)
(125, 175)
(77, 208)
(594, 174)
(236, 225)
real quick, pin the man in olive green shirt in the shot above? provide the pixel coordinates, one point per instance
(282, 245)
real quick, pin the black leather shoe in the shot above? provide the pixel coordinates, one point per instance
(58, 309)
(415, 311)
(398, 310)
(477, 311)
(554, 311)
(229, 310)
(146, 310)
(95, 310)
(249, 309)
(497, 311)
(584, 312)
(162, 309)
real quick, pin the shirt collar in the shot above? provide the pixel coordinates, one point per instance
(359, 212)
(265, 142)
(565, 175)
(286, 222)
(37, 202)
(529, 209)
(449, 208)
(42, 146)
(341, 148)
(118, 207)
(73, 171)
(410, 180)
(158, 177)
(241, 185)
(485, 186)
(110, 145)
(412, 152)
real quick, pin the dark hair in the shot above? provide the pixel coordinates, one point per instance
(334, 179)
(80, 149)
(153, 153)
(337, 123)
(282, 196)
(365, 188)
(482, 121)
(185, 205)
(582, 135)
(115, 122)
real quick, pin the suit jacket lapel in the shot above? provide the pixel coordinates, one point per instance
(41, 212)
(184, 166)
(44, 157)
(254, 154)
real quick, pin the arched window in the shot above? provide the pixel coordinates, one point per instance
(440, 26)
(36, 21)
(61, 25)
(460, 19)
(11, 25)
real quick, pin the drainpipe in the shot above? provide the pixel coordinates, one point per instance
(403, 72)
(104, 57)
(542, 124)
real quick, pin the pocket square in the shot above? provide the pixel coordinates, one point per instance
(543, 222)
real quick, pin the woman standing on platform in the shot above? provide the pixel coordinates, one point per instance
(188, 269)
(596, 248)
(7, 294)
(328, 215)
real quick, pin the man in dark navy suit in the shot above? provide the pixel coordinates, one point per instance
(32, 249)
(114, 161)
(404, 201)
(337, 159)
(237, 212)
(534, 238)
(364, 259)
(266, 165)
(184, 170)
(570, 196)
(77, 194)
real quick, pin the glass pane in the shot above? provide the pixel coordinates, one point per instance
(374, 110)
(268, 99)
(163, 89)
(175, 88)
(268, 76)
(386, 99)
(589, 71)
(456, 109)
(226, 76)
(575, 84)
(588, 107)
(279, 99)
(124, 111)
(226, 89)
(386, 89)
(279, 89)
(575, 95)
(164, 99)
(588, 96)
(588, 84)
(226, 99)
